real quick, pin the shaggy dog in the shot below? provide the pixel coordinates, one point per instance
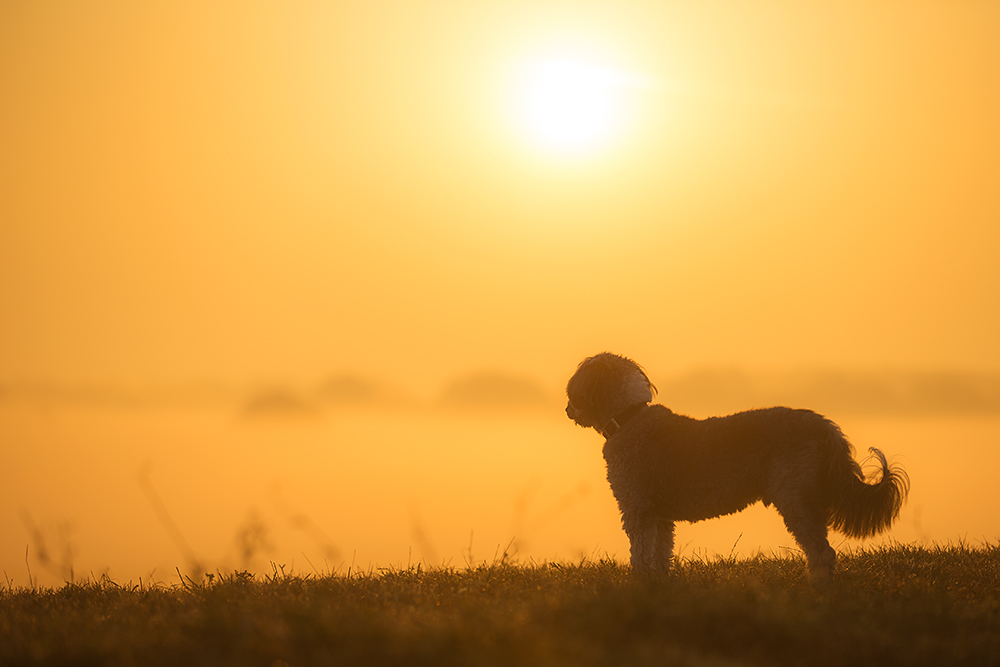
(664, 467)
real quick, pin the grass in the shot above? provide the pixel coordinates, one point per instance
(900, 605)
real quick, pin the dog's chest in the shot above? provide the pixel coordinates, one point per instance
(634, 468)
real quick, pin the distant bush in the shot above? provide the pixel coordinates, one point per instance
(277, 403)
(494, 391)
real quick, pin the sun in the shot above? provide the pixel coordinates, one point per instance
(571, 106)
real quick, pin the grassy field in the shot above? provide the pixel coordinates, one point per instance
(895, 606)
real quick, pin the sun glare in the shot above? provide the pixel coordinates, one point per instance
(568, 106)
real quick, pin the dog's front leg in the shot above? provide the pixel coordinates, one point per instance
(641, 531)
(664, 548)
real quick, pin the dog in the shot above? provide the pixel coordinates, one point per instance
(664, 467)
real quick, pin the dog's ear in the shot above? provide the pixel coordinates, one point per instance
(637, 387)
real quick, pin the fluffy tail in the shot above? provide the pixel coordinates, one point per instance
(862, 510)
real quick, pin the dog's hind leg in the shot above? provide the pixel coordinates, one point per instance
(641, 531)
(810, 532)
(664, 550)
(794, 489)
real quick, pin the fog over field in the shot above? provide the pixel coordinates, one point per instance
(350, 472)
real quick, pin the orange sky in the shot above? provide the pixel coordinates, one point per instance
(268, 194)
(236, 191)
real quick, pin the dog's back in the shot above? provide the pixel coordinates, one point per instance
(693, 469)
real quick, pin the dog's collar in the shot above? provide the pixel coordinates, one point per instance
(616, 422)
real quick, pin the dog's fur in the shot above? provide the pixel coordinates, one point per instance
(664, 467)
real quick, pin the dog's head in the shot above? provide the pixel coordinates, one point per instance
(603, 387)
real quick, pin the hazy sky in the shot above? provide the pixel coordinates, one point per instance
(235, 190)
(277, 192)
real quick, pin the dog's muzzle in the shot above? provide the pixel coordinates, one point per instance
(575, 414)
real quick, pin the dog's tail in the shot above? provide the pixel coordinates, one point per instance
(860, 509)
